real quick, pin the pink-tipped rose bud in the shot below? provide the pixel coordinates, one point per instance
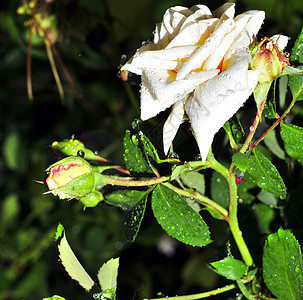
(71, 177)
(269, 59)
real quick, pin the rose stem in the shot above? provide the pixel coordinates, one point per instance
(233, 207)
(199, 296)
(278, 121)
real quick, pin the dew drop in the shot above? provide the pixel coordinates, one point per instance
(221, 97)
(80, 153)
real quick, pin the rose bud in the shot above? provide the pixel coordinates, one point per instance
(92, 199)
(71, 177)
(269, 58)
(73, 147)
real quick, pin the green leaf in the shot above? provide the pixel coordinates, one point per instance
(108, 273)
(267, 198)
(236, 130)
(11, 149)
(265, 174)
(295, 83)
(134, 158)
(178, 219)
(272, 144)
(241, 161)
(55, 297)
(297, 50)
(230, 268)
(194, 180)
(219, 190)
(59, 231)
(72, 265)
(134, 218)
(282, 266)
(264, 217)
(292, 136)
(10, 210)
(125, 199)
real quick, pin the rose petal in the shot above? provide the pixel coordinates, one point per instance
(194, 33)
(281, 40)
(200, 11)
(228, 47)
(217, 101)
(172, 124)
(253, 25)
(150, 105)
(226, 11)
(147, 57)
(173, 19)
(201, 55)
(167, 90)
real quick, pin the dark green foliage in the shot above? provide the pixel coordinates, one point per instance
(282, 266)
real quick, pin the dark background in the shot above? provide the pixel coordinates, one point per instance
(92, 37)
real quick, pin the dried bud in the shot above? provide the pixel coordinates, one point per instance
(71, 177)
(269, 59)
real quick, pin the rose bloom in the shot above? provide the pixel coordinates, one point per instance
(198, 63)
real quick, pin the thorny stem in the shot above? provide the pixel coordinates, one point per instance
(201, 295)
(233, 207)
(278, 121)
(253, 127)
(127, 181)
(200, 198)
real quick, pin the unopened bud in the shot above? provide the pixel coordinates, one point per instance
(269, 59)
(71, 177)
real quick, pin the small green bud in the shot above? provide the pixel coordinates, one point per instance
(269, 59)
(73, 147)
(71, 177)
(92, 199)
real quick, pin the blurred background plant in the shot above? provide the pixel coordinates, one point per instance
(59, 76)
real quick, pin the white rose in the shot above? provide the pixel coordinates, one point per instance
(197, 62)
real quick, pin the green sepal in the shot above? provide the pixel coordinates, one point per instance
(260, 92)
(78, 187)
(92, 199)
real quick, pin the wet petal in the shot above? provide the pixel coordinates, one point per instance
(172, 20)
(226, 11)
(217, 101)
(253, 25)
(194, 34)
(167, 90)
(201, 55)
(172, 124)
(281, 40)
